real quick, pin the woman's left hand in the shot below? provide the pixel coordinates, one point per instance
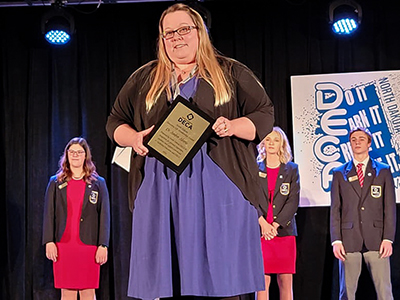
(241, 127)
(101, 255)
(268, 231)
(223, 127)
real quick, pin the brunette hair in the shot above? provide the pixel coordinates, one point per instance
(363, 129)
(64, 172)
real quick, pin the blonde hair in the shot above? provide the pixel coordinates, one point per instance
(206, 59)
(64, 172)
(284, 153)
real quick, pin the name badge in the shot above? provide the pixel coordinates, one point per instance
(93, 197)
(262, 174)
(376, 191)
(284, 189)
(353, 178)
(61, 186)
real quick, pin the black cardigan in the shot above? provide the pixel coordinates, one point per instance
(236, 157)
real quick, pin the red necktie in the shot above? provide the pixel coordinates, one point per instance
(360, 174)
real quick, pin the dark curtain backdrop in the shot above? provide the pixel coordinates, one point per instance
(51, 94)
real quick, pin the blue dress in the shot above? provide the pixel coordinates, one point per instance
(200, 217)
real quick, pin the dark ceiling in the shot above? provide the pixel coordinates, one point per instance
(12, 3)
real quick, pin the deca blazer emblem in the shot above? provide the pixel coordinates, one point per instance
(93, 197)
(285, 188)
(376, 191)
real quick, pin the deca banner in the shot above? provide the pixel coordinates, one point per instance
(325, 109)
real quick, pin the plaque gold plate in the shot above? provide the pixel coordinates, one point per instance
(179, 135)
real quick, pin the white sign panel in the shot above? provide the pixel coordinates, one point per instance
(325, 108)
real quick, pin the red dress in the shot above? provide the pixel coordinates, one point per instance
(279, 254)
(76, 266)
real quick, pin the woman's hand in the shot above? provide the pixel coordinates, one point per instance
(275, 225)
(268, 231)
(126, 136)
(51, 251)
(223, 127)
(137, 143)
(101, 255)
(241, 127)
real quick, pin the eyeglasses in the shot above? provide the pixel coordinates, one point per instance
(167, 35)
(76, 152)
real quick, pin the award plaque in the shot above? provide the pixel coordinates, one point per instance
(179, 135)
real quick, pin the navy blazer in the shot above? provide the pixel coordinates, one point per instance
(362, 215)
(286, 196)
(94, 227)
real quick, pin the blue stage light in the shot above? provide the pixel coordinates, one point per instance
(345, 16)
(57, 37)
(57, 25)
(344, 26)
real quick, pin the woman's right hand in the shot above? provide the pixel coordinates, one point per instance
(137, 143)
(126, 136)
(51, 251)
(268, 231)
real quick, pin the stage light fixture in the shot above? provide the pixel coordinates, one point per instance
(57, 24)
(345, 16)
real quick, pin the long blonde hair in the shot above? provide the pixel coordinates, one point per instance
(284, 153)
(206, 59)
(64, 172)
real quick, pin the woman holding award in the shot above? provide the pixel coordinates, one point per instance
(195, 233)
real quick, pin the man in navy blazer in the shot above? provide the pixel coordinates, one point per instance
(363, 218)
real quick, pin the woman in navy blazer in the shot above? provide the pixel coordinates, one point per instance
(278, 225)
(76, 222)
